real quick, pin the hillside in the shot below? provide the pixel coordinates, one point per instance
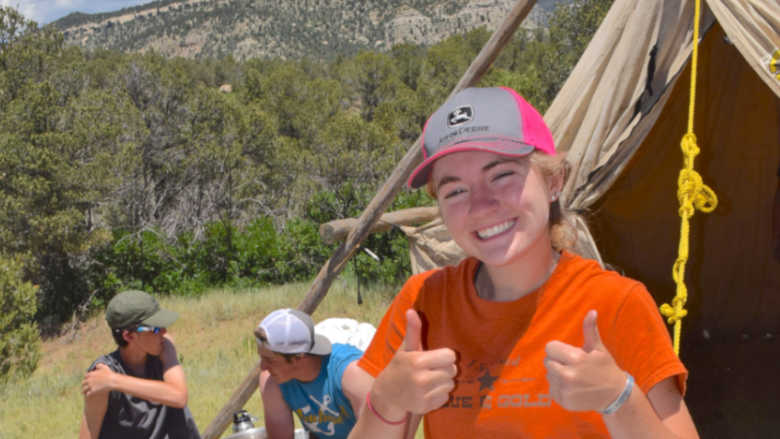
(289, 29)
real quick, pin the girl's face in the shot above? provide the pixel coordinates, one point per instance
(496, 208)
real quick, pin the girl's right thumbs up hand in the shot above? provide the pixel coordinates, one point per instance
(415, 380)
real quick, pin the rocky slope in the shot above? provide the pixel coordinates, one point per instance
(285, 28)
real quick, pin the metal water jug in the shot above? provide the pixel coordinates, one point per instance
(244, 427)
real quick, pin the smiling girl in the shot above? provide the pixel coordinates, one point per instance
(523, 338)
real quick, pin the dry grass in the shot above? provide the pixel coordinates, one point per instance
(214, 340)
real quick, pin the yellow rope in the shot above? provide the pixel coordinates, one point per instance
(692, 194)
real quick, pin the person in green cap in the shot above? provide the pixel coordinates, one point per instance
(139, 390)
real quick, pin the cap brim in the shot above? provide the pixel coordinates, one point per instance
(321, 346)
(161, 319)
(422, 173)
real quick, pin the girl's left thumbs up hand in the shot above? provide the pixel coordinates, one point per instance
(583, 378)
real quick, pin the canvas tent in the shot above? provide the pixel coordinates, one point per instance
(624, 143)
(621, 115)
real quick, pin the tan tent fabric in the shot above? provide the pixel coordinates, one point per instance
(601, 128)
(754, 27)
(430, 246)
(602, 122)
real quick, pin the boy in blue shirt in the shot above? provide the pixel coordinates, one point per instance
(302, 372)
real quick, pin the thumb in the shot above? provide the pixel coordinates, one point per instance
(412, 337)
(591, 330)
(100, 366)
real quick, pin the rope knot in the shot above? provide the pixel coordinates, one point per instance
(688, 145)
(675, 312)
(689, 184)
(692, 192)
(678, 269)
(706, 200)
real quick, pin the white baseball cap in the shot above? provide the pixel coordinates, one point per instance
(289, 331)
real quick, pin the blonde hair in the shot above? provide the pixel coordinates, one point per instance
(563, 235)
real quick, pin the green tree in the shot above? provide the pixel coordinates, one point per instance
(159, 91)
(546, 56)
(58, 142)
(444, 64)
(571, 28)
(19, 340)
(408, 59)
(371, 78)
(351, 150)
(404, 115)
(262, 187)
(27, 53)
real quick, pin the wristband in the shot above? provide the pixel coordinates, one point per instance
(382, 418)
(622, 398)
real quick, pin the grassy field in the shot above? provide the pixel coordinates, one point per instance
(215, 344)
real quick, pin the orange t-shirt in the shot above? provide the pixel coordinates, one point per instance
(501, 388)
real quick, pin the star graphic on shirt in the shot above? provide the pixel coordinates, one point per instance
(486, 381)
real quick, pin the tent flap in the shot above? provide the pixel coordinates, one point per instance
(753, 26)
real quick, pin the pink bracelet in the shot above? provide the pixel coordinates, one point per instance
(382, 418)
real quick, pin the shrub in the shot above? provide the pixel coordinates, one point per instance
(392, 246)
(301, 251)
(256, 252)
(19, 339)
(144, 260)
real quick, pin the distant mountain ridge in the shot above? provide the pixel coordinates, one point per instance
(285, 28)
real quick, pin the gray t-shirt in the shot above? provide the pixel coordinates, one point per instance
(129, 417)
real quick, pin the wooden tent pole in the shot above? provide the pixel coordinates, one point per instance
(374, 210)
(337, 230)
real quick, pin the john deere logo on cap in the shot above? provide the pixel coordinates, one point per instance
(460, 116)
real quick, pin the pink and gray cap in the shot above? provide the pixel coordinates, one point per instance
(290, 331)
(494, 119)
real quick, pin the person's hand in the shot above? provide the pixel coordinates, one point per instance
(585, 378)
(99, 379)
(415, 380)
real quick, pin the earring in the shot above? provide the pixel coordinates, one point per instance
(554, 197)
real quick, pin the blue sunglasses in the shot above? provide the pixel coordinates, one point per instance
(152, 329)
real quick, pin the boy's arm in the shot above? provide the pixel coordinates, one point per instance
(171, 391)
(356, 383)
(277, 414)
(95, 407)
